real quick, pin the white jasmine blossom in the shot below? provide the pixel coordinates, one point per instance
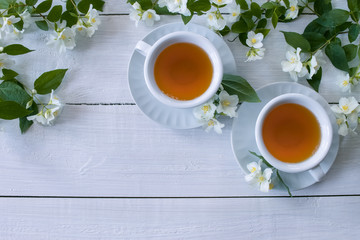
(8, 24)
(215, 20)
(221, 2)
(205, 112)
(88, 24)
(136, 13)
(343, 81)
(255, 54)
(49, 112)
(62, 38)
(227, 104)
(213, 124)
(26, 17)
(293, 65)
(150, 16)
(347, 115)
(254, 40)
(234, 13)
(5, 61)
(176, 6)
(257, 178)
(293, 10)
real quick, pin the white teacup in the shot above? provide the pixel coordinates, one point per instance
(311, 163)
(152, 52)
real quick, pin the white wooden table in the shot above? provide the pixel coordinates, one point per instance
(105, 171)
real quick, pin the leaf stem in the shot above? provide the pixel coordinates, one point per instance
(282, 181)
(307, 6)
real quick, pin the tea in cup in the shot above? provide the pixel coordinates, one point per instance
(293, 133)
(182, 69)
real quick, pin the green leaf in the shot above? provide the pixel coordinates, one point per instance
(255, 9)
(225, 31)
(322, 6)
(315, 39)
(186, 19)
(19, 25)
(352, 71)
(354, 31)
(240, 26)
(43, 6)
(4, 4)
(333, 18)
(16, 49)
(199, 6)
(25, 124)
(350, 51)
(55, 13)
(70, 20)
(315, 80)
(70, 6)
(31, 2)
(49, 80)
(269, 13)
(262, 23)
(84, 5)
(10, 91)
(264, 31)
(353, 5)
(236, 85)
(315, 27)
(337, 56)
(274, 19)
(243, 4)
(242, 38)
(42, 25)
(296, 40)
(11, 110)
(280, 11)
(269, 5)
(8, 74)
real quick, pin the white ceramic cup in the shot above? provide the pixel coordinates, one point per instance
(312, 163)
(152, 52)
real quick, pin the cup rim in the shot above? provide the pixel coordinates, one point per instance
(325, 127)
(201, 42)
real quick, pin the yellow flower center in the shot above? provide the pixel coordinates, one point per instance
(339, 121)
(345, 83)
(80, 28)
(94, 21)
(211, 17)
(271, 186)
(9, 22)
(292, 8)
(345, 107)
(261, 179)
(253, 40)
(211, 123)
(292, 60)
(225, 103)
(253, 169)
(234, 14)
(150, 16)
(63, 37)
(205, 108)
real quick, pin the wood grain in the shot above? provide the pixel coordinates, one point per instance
(279, 218)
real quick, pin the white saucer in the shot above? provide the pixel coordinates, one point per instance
(151, 107)
(243, 133)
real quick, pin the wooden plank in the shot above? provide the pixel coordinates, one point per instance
(117, 151)
(98, 66)
(304, 218)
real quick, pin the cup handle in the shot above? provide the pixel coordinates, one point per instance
(317, 173)
(143, 48)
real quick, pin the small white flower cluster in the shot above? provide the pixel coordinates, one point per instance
(346, 83)
(7, 29)
(293, 10)
(48, 113)
(257, 178)
(297, 67)
(5, 61)
(220, 104)
(254, 41)
(64, 37)
(148, 16)
(347, 115)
